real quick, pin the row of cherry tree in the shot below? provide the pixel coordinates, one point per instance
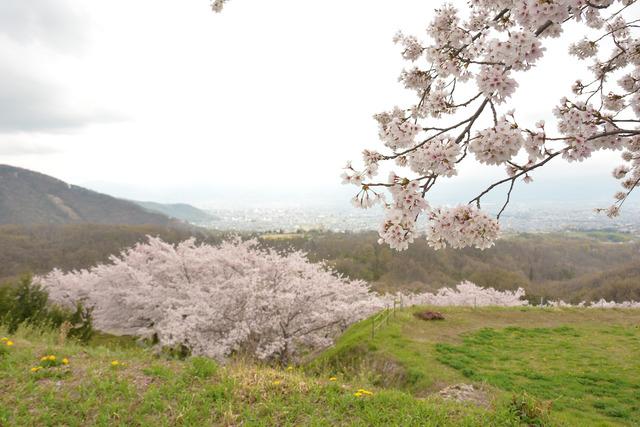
(468, 294)
(464, 76)
(239, 297)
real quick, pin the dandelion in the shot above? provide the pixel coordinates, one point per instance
(9, 343)
(115, 363)
(52, 358)
(357, 394)
(363, 392)
(277, 382)
(289, 368)
(333, 379)
(36, 369)
(3, 339)
(65, 361)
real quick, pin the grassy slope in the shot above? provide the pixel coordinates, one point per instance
(585, 361)
(154, 391)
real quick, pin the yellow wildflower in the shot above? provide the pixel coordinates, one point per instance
(9, 343)
(357, 394)
(36, 368)
(52, 358)
(115, 363)
(3, 339)
(366, 392)
(277, 382)
(44, 358)
(65, 361)
(289, 368)
(333, 379)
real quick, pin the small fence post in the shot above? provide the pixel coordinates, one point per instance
(373, 327)
(541, 301)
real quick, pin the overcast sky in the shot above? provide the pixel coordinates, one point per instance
(163, 99)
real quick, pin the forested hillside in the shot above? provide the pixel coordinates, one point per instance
(40, 248)
(571, 266)
(28, 197)
(181, 211)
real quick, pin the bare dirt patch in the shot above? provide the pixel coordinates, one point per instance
(429, 315)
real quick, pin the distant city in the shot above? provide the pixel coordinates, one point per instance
(544, 206)
(543, 217)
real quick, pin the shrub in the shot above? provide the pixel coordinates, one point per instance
(28, 303)
(82, 323)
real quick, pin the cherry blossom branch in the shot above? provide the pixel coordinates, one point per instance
(462, 52)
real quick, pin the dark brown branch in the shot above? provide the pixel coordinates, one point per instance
(513, 181)
(516, 176)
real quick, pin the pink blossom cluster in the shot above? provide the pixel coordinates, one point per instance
(498, 144)
(496, 84)
(518, 52)
(399, 226)
(437, 156)
(533, 14)
(399, 133)
(218, 5)
(436, 103)
(485, 50)
(461, 226)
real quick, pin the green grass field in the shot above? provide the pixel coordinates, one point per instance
(584, 362)
(143, 389)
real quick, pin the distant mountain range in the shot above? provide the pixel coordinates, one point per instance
(28, 197)
(180, 211)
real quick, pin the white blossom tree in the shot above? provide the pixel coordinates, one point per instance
(467, 294)
(463, 78)
(216, 300)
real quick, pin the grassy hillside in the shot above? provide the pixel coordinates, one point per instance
(566, 367)
(584, 362)
(125, 385)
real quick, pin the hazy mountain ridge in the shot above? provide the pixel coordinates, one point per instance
(181, 211)
(28, 197)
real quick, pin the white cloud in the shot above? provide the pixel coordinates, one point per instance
(269, 94)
